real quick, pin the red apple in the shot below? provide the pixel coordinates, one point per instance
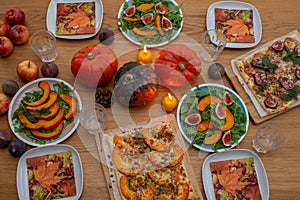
(6, 46)
(4, 103)
(19, 34)
(4, 28)
(14, 16)
(27, 70)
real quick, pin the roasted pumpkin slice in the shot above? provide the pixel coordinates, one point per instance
(179, 191)
(167, 159)
(137, 187)
(53, 111)
(140, 32)
(127, 164)
(52, 99)
(27, 123)
(229, 120)
(131, 143)
(159, 138)
(205, 101)
(72, 103)
(204, 125)
(163, 176)
(50, 124)
(214, 138)
(44, 85)
(54, 133)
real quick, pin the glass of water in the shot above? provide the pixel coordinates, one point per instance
(213, 42)
(43, 43)
(269, 136)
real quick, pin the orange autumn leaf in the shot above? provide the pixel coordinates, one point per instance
(45, 175)
(230, 180)
(79, 18)
(237, 27)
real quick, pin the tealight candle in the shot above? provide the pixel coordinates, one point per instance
(144, 56)
(169, 102)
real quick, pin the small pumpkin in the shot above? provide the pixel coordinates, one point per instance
(94, 65)
(135, 84)
(177, 65)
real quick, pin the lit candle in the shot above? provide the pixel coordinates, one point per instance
(169, 103)
(144, 56)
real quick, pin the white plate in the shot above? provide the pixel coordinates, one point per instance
(33, 86)
(237, 5)
(51, 18)
(205, 87)
(129, 35)
(22, 177)
(232, 155)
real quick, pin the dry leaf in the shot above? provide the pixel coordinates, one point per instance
(79, 19)
(237, 27)
(230, 180)
(45, 175)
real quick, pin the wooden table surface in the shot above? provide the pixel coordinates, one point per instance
(278, 18)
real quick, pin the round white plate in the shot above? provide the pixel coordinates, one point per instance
(51, 18)
(22, 177)
(233, 155)
(33, 86)
(236, 5)
(206, 87)
(131, 37)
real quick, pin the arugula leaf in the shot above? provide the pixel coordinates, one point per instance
(62, 88)
(43, 111)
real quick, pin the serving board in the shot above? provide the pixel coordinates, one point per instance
(110, 171)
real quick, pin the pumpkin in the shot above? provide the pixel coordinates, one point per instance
(94, 65)
(135, 84)
(177, 65)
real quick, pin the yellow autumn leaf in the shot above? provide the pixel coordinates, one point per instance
(79, 19)
(237, 27)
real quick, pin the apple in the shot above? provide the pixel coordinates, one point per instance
(4, 103)
(4, 28)
(14, 16)
(27, 70)
(19, 34)
(6, 46)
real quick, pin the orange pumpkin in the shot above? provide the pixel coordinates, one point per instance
(94, 65)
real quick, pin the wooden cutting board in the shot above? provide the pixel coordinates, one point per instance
(109, 170)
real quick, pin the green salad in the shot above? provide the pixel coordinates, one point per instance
(172, 12)
(190, 106)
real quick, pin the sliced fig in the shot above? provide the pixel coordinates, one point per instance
(226, 139)
(166, 24)
(220, 111)
(260, 78)
(160, 8)
(193, 119)
(287, 83)
(297, 49)
(297, 73)
(271, 101)
(130, 11)
(147, 18)
(257, 59)
(277, 46)
(227, 98)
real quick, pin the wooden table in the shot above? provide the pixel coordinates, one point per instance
(278, 18)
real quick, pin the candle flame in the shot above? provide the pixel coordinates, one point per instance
(170, 97)
(145, 49)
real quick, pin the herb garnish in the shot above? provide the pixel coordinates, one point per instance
(291, 94)
(262, 88)
(291, 55)
(266, 64)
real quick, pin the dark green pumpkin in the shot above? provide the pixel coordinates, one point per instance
(135, 84)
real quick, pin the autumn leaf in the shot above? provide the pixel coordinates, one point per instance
(45, 175)
(237, 26)
(230, 180)
(79, 19)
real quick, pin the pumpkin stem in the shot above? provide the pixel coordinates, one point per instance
(90, 55)
(181, 65)
(129, 77)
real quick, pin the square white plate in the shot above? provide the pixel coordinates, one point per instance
(22, 177)
(236, 5)
(51, 18)
(233, 155)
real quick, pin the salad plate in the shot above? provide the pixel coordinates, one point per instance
(30, 87)
(173, 14)
(52, 13)
(238, 6)
(188, 105)
(22, 174)
(235, 154)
